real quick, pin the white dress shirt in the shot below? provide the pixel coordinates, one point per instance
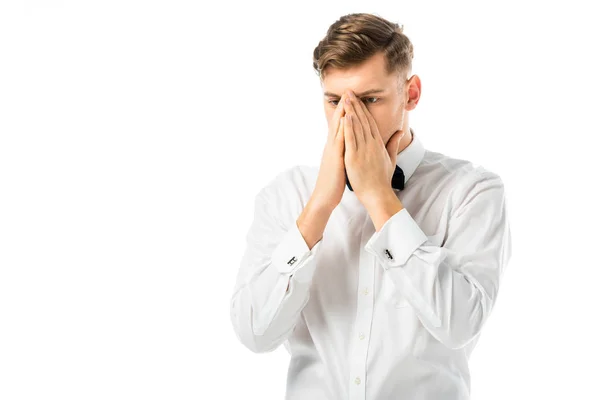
(393, 314)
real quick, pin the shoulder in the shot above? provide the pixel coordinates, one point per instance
(457, 169)
(462, 178)
(478, 188)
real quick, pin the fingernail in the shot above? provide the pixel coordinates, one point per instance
(347, 100)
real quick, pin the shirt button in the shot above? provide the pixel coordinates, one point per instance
(357, 380)
(366, 291)
(361, 336)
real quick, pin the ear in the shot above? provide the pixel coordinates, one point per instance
(413, 92)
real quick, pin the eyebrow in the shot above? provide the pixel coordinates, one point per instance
(370, 91)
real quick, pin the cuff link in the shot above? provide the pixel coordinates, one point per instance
(389, 255)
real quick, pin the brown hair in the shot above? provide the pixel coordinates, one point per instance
(356, 37)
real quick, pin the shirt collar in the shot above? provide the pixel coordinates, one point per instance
(411, 156)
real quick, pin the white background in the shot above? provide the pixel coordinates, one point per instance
(134, 136)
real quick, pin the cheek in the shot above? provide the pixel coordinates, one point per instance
(328, 113)
(383, 121)
(329, 116)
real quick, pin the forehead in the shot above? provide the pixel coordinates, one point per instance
(371, 74)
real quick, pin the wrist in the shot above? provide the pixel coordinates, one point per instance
(383, 207)
(378, 197)
(312, 222)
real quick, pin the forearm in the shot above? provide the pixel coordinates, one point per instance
(452, 276)
(265, 307)
(312, 221)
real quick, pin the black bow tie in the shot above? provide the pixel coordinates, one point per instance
(397, 179)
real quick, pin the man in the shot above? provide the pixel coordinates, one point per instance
(378, 270)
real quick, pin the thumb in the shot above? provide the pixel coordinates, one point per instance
(394, 144)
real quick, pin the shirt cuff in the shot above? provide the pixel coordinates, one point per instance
(292, 262)
(293, 253)
(397, 240)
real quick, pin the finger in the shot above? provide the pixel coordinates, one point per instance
(393, 145)
(339, 139)
(340, 130)
(370, 121)
(337, 114)
(349, 136)
(359, 109)
(356, 128)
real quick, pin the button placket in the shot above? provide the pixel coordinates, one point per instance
(364, 316)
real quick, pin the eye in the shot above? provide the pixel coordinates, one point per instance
(376, 99)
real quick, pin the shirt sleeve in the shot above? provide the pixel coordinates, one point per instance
(263, 310)
(452, 287)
